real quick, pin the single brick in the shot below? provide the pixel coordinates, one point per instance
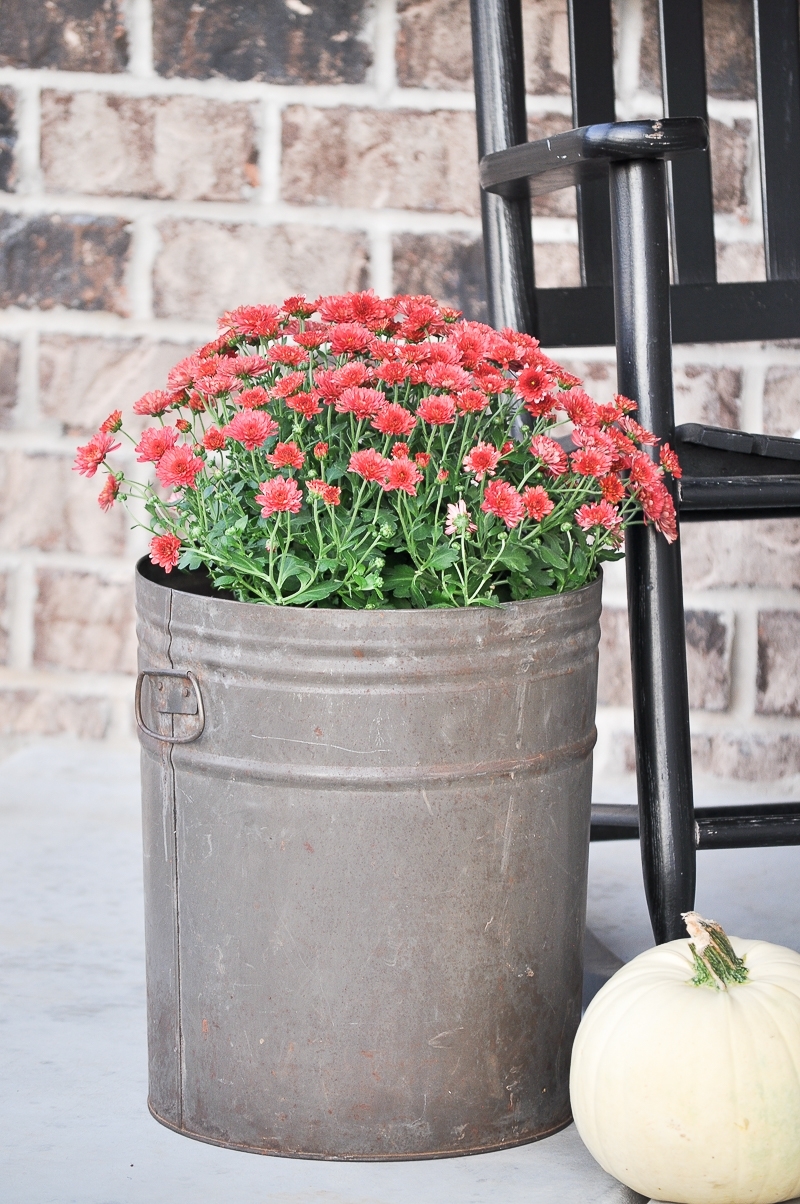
(9, 366)
(180, 147)
(730, 151)
(446, 266)
(709, 644)
(778, 681)
(72, 260)
(762, 553)
(5, 616)
(740, 261)
(81, 380)
(46, 506)
(747, 756)
(708, 659)
(730, 58)
(8, 139)
(380, 159)
(73, 35)
(557, 265)
(782, 401)
(44, 713)
(280, 41)
(706, 394)
(434, 46)
(83, 621)
(205, 268)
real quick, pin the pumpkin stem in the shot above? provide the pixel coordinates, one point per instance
(715, 963)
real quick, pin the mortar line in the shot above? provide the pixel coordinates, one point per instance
(28, 122)
(139, 20)
(384, 39)
(27, 415)
(22, 634)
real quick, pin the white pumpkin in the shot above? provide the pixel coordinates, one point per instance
(685, 1078)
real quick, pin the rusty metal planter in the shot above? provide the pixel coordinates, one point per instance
(366, 841)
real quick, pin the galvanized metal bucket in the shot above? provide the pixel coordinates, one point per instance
(366, 842)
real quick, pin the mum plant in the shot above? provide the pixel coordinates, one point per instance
(363, 452)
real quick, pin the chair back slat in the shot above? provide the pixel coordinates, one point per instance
(683, 73)
(592, 60)
(778, 90)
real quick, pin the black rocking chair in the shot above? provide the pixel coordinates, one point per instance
(627, 203)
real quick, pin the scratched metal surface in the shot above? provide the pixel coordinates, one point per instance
(366, 881)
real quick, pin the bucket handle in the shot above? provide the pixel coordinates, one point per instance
(168, 709)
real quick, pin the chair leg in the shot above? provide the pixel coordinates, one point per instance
(501, 119)
(655, 588)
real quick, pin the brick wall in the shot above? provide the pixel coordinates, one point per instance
(163, 160)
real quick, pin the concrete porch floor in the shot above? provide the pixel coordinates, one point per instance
(74, 1126)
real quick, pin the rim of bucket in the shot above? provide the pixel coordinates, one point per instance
(199, 584)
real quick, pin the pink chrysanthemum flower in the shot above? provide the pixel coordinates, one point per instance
(154, 442)
(393, 373)
(258, 321)
(403, 474)
(286, 455)
(458, 519)
(537, 502)
(252, 399)
(314, 334)
(282, 353)
(438, 411)
(422, 459)
(400, 451)
(306, 404)
(363, 403)
(448, 376)
(471, 402)
(165, 551)
(299, 306)
(288, 384)
(350, 337)
(108, 493)
(330, 494)
(636, 432)
(114, 422)
(612, 488)
(251, 428)
(370, 465)
(332, 381)
(178, 467)
(214, 439)
(254, 365)
(89, 457)
(502, 500)
(579, 407)
(394, 419)
(591, 461)
(278, 496)
(670, 462)
(155, 402)
(320, 450)
(598, 514)
(182, 376)
(482, 459)
(550, 453)
(534, 385)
